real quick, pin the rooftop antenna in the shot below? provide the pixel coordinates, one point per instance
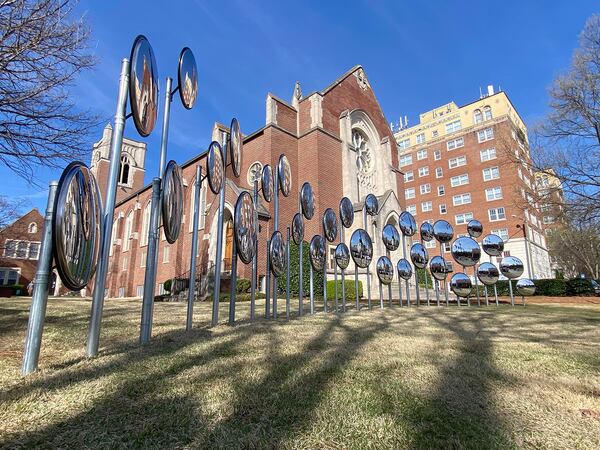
(405, 121)
(480, 93)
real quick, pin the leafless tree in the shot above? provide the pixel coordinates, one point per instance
(576, 249)
(43, 47)
(10, 210)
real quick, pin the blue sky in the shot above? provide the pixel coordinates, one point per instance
(417, 55)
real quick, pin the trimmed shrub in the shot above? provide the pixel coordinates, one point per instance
(243, 285)
(580, 286)
(423, 275)
(244, 297)
(551, 287)
(295, 273)
(349, 286)
(167, 285)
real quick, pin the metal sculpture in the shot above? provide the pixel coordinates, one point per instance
(391, 241)
(426, 232)
(488, 274)
(385, 273)
(419, 258)
(460, 283)
(370, 208)
(317, 262)
(342, 252)
(437, 268)
(493, 245)
(330, 230)
(467, 253)
(306, 208)
(511, 267)
(443, 233)
(525, 287)
(361, 250)
(404, 270)
(408, 227)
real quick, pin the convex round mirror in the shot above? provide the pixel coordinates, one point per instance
(390, 237)
(419, 256)
(297, 228)
(76, 226)
(511, 267)
(437, 267)
(361, 248)
(330, 225)
(427, 233)
(143, 86)
(277, 254)
(443, 231)
(266, 181)
(346, 212)
(461, 284)
(474, 228)
(172, 201)
(187, 77)
(214, 167)
(307, 200)
(235, 145)
(243, 227)
(408, 224)
(372, 205)
(404, 269)
(317, 253)
(342, 255)
(493, 245)
(385, 270)
(525, 287)
(466, 251)
(285, 175)
(488, 273)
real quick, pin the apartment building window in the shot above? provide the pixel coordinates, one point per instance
(447, 249)
(412, 209)
(455, 143)
(461, 199)
(437, 155)
(487, 113)
(34, 250)
(477, 116)
(409, 193)
(405, 160)
(491, 173)
(21, 249)
(121, 292)
(404, 144)
(420, 138)
(493, 194)
(166, 251)
(426, 206)
(441, 190)
(443, 209)
(422, 154)
(496, 214)
(425, 188)
(457, 162)
(487, 154)
(143, 259)
(502, 233)
(409, 176)
(459, 180)
(430, 244)
(485, 135)
(434, 133)
(423, 171)
(439, 173)
(9, 276)
(139, 290)
(453, 126)
(548, 220)
(463, 218)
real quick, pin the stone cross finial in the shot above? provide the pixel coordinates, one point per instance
(297, 95)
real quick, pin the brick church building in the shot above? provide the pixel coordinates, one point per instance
(322, 134)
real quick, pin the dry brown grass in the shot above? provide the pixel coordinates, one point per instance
(398, 378)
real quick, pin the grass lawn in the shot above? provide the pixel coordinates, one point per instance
(398, 378)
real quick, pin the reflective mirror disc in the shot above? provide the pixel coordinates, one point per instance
(466, 251)
(172, 201)
(372, 205)
(214, 167)
(408, 225)
(385, 270)
(493, 245)
(317, 252)
(285, 175)
(297, 228)
(235, 144)
(404, 269)
(143, 86)
(419, 255)
(390, 237)
(346, 212)
(488, 273)
(266, 181)
(277, 254)
(342, 255)
(474, 228)
(361, 248)
(525, 287)
(77, 226)
(243, 227)
(443, 231)
(437, 267)
(461, 284)
(427, 232)
(330, 226)
(187, 77)
(307, 200)
(511, 267)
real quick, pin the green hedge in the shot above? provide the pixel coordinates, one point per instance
(243, 285)
(295, 274)
(350, 291)
(580, 286)
(423, 275)
(547, 287)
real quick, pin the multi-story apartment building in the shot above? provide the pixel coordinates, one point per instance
(472, 161)
(550, 195)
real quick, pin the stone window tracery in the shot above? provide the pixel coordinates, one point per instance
(364, 158)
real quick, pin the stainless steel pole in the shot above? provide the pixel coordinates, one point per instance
(368, 271)
(255, 258)
(476, 286)
(487, 299)
(268, 283)
(233, 284)
(512, 297)
(380, 295)
(445, 278)
(312, 292)
(219, 255)
(109, 209)
(192, 283)
(301, 269)
(406, 285)
(437, 292)
(335, 285)
(153, 230)
(325, 269)
(39, 300)
(287, 281)
(417, 286)
(275, 228)
(356, 286)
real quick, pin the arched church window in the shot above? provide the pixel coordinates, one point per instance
(364, 155)
(124, 171)
(145, 224)
(32, 228)
(127, 231)
(477, 116)
(254, 172)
